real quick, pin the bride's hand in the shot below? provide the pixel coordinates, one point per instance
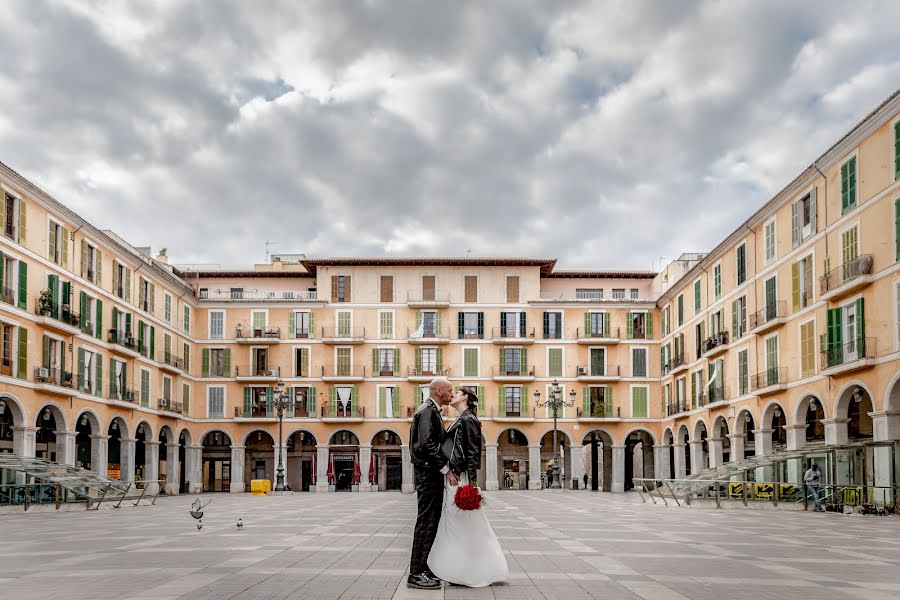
(452, 478)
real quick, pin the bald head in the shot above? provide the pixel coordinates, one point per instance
(440, 390)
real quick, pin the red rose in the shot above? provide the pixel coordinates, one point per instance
(468, 497)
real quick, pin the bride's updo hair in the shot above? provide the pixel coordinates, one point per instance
(471, 399)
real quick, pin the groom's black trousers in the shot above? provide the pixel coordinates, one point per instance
(430, 491)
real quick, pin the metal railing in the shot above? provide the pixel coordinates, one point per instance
(610, 333)
(674, 408)
(673, 363)
(768, 313)
(251, 295)
(771, 376)
(335, 410)
(598, 410)
(343, 370)
(428, 332)
(256, 371)
(169, 405)
(603, 371)
(858, 349)
(710, 395)
(173, 361)
(123, 394)
(845, 273)
(425, 372)
(505, 371)
(267, 332)
(343, 332)
(61, 312)
(437, 296)
(122, 338)
(7, 295)
(715, 340)
(54, 376)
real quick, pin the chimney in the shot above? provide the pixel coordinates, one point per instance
(162, 257)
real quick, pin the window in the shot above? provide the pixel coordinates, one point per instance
(470, 362)
(511, 324)
(430, 323)
(215, 402)
(552, 325)
(167, 388)
(122, 281)
(302, 325)
(618, 294)
(597, 362)
(715, 323)
(387, 288)
(897, 229)
(186, 358)
(739, 318)
(698, 338)
(680, 318)
(187, 320)
(384, 365)
(589, 294)
(429, 360)
(696, 296)
(717, 281)
(716, 384)
(639, 326)
(340, 288)
(639, 362)
(808, 348)
(14, 216)
(343, 367)
(513, 400)
(848, 185)
(598, 401)
(145, 388)
(639, 403)
(769, 233)
(58, 251)
(803, 219)
(471, 288)
(696, 388)
(146, 295)
(204, 293)
(597, 324)
(117, 379)
(90, 262)
(634, 293)
(386, 325)
(301, 362)
(512, 361)
(772, 360)
(167, 307)
(801, 283)
(555, 362)
(216, 324)
(185, 399)
(388, 405)
(87, 367)
(10, 277)
(743, 372)
(512, 288)
(219, 363)
(343, 323)
(849, 248)
(237, 293)
(470, 325)
(741, 264)
(428, 285)
(665, 321)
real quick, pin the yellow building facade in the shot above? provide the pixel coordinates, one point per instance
(784, 336)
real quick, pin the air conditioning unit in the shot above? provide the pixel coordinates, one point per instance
(272, 373)
(163, 403)
(129, 396)
(42, 373)
(582, 371)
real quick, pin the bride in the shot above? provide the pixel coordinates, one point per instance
(466, 550)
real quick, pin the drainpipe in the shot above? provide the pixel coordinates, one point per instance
(825, 230)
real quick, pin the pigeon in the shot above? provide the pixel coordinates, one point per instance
(240, 524)
(199, 525)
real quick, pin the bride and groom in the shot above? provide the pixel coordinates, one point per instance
(448, 543)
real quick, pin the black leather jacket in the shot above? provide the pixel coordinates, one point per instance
(464, 451)
(426, 437)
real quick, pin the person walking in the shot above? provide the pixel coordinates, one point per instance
(812, 479)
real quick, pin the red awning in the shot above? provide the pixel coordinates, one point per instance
(357, 474)
(372, 475)
(330, 473)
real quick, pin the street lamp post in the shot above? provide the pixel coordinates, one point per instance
(555, 401)
(280, 402)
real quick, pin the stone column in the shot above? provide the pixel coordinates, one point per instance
(100, 454)
(151, 466)
(534, 467)
(237, 470)
(661, 462)
(65, 447)
(193, 465)
(365, 457)
(25, 441)
(835, 431)
(796, 436)
(126, 459)
(576, 465)
(680, 461)
(490, 459)
(321, 468)
(716, 452)
(886, 425)
(173, 470)
(763, 441)
(406, 471)
(737, 446)
(618, 469)
(697, 462)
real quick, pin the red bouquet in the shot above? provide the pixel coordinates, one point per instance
(468, 497)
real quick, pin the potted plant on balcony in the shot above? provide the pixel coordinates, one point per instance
(45, 303)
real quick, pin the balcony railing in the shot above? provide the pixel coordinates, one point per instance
(598, 410)
(675, 408)
(673, 363)
(267, 332)
(507, 371)
(168, 405)
(428, 332)
(715, 340)
(343, 332)
(256, 371)
(599, 371)
(769, 377)
(218, 370)
(123, 394)
(256, 295)
(768, 313)
(123, 339)
(61, 312)
(343, 371)
(303, 333)
(173, 360)
(336, 410)
(436, 296)
(8, 295)
(839, 276)
(427, 372)
(54, 376)
(710, 395)
(512, 332)
(856, 350)
(611, 333)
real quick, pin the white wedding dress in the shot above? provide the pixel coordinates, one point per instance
(466, 550)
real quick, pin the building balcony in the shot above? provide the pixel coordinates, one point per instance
(851, 356)
(256, 373)
(597, 411)
(256, 410)
(55, 380)
(597, 337)
(710, 396)
(387, 370)
(343, 335)
(715, 344)
(217, 370)
(599, 375)
(58, 317)
(167, 405)
(515, 336)
(769, 381)
(425, 375)
(8, 295)
(675, 364)
(768, 318)
(676, 408)
(302, 334)
(172, 363)
(847, 278)
(432, 299)
(260, 335)
(507, 412)
(259, 296)
(429, 336)
(343, 373)
(123, 342)
(124, 394)
(337, 413)
(504, 373)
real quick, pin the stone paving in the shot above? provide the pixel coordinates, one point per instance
(565, 545)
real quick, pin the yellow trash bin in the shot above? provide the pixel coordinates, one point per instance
(260, 487)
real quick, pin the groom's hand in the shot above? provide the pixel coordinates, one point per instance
(453, 478)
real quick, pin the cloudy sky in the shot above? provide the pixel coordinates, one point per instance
(607, 134)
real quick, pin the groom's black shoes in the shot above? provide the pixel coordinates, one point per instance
(422, 582)
(431, 575)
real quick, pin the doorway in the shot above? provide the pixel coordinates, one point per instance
(305, 474)
(343, 471)
(216, 474)
(394, 468)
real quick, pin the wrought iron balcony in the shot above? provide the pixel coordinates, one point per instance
(168, 405)
(123, 393)
(594, 336)
(172, 360)
(7, 295)
(855, 351)
(60, 313)
(675, 408)
(428, 335)
(513, 334)
(845, 274)
(520, 371)
(598, 410)
(54, 377)
(774, 376)
(257, 371)
(716, 342)
(269, 333)
(122, 338)
(598, 371)
(674, 364)
(768, 316)
(426, 372)
(334, 410)
(343, 372)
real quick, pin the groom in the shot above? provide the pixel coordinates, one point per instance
(425, 439)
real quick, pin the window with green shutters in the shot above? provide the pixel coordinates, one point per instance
(665, 321)
(598, 362)
(639, 362)
(743, 372)
(186, 355)
(769, 234)
(639, 401)
(739, 318)
(215, 406)
(167, 308)
(717, 281)
(741, 264)
(259, 323)
(772, 360)
(342, 368)
(849, 247)
(848, 185)
(808, 348)
(555, 362)
(697, 296)
(186, 323)
(680, 320)
(388, 402)
(145, 388)
(386, 325)
(185, 399)
(470, 362)
(343, 323)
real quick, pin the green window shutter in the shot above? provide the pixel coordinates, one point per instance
(502, 359)
(269, 395)
(501, 404)
(311, 402)
(481, 325)
(186, 358)
(470, 362)
(98, 326)
(606, 325)
(523, 404)
(205, 360)
(439, 359)
(418, 319)
(649, 318)
(186, 398)
(861, 327)
(127, 285)
(354, 400)
(226, 362)
(22, 212)
(145, 389)
(53, 286)
(897, 227)
(152, 342)
(555, 360)
(629, 325)
(292, 323)
(112, 377)
(396, 404)
(734, 320)
(376, 368)
(639, 402)
(248, 402)
(23, 353)
(128, 323)
(141, 347)
(312, 324)
(98, 385)
(80, 373)
(697, 296)
(835, 333)
(51, 237)
(607, 400)
(84, 258)
(382, 403)
(771, 354)
(587, 324)
(586, 401)
(64, 243)
(795, 224)
(396, 362)
(437, 324)
(795, 287)
(82, 311)
(524, 361)
(45, 351)
(418, 361)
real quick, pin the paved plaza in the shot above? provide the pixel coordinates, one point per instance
(356, 546)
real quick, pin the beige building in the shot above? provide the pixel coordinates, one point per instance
(784, 336)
